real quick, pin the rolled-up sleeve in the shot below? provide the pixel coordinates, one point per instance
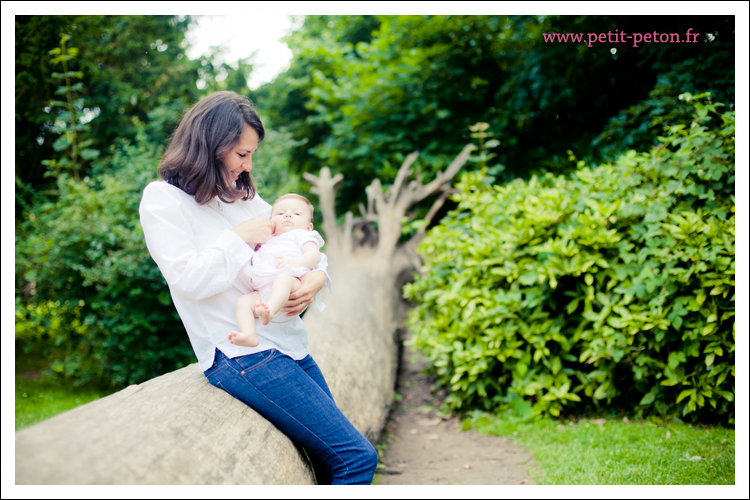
(192, 274)
(323, 266)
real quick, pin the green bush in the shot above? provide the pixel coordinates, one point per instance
(88, 295)
(613, 286)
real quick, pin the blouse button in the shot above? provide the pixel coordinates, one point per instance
(243, 372)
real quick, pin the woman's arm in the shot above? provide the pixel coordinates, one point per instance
(312, 282)
(190, 273)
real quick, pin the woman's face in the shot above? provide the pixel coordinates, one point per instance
(240, 158)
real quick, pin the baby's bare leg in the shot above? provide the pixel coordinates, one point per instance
(283, 285)
(245, 312)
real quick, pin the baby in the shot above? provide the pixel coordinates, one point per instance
(275, 268)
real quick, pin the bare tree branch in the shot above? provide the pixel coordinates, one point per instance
(452, 169)
(367, 215)
(390, 217)
(325, 187)
(434, 209)
(403, 173)
(375, 197)
(386, 209)
(346, 236)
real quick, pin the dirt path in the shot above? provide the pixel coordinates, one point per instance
(428, 450)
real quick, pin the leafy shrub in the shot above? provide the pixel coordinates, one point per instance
(637, 126)
(612, 286)
(88, 295)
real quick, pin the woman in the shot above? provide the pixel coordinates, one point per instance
(201, 223)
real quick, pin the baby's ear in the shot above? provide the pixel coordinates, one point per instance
(310, 226)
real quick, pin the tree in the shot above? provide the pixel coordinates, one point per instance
(89, 298)
(121, 66)
(361, 100)
(133, 70)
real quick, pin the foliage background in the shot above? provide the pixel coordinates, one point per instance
(613, 286)
(360, 94)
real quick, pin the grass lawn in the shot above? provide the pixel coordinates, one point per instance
(618, 452)
(39, 399)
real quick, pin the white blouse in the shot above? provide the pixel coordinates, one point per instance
(200, 258)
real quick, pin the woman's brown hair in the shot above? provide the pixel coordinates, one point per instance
(205, 136)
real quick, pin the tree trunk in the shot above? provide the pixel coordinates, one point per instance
(178, 429)
(174, 429)
(354, 341)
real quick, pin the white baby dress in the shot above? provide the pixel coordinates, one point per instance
(262, 271)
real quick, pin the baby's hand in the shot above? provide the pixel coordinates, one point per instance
(283, 261)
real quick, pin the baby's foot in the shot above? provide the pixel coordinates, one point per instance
(249, 339)
(263, 312)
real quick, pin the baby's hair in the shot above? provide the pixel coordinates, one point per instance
(298, 197)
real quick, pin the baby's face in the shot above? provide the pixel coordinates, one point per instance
(290, 214)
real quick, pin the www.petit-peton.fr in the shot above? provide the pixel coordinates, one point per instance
(622, 37)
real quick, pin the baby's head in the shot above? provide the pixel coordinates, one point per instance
(292, 211)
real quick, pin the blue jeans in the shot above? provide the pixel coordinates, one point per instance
(294, 396)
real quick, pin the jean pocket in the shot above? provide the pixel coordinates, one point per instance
(253, 361)
(213, 373)
(219, 385)
(219, 360)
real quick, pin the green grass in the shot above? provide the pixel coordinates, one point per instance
(39, 399)
(618, 453)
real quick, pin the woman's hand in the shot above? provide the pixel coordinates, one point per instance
(256, 230)
(312, 283)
